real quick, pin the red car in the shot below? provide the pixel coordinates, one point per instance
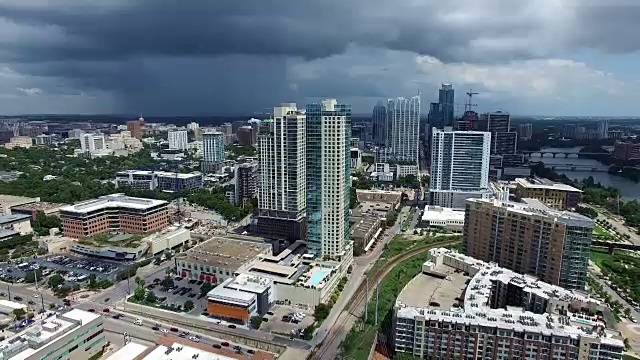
(105, 310)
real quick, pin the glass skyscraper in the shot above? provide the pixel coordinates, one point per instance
(212, 151)
(328, 178)
(403, 128)
(446, 100)
(379, 120)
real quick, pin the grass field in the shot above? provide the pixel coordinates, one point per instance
(600, 255)
(598, 231)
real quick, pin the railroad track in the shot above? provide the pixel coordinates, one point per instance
(361, 293)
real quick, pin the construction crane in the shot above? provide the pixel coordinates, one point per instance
(469, 104)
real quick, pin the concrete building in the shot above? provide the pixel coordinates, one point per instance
(282, 174)
(114, 213)
(328, 179)
(212, 151)
(525, 131)
(9, 201)
(136, 128)
(73, 335)
(240, 298)
(19, 223)
(529, 238)
(603, 129)
(555, 195)
(43, 140)
(499, 315)
(443, 218)
(365, 230)
(247, 135)
(356, 158)
(403, 121)
(165, 181)
(626, 151)
(75, 133)
(246, 178)
(24, 142)
(178, 139)
(459, 167)
(218, 259)
(90, 143)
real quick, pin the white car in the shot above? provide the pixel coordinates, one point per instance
(165, 331)
(138, 322)
(194, 338)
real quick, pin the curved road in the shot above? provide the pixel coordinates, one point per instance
(338, 332)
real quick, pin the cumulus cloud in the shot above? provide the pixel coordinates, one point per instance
(167, 55)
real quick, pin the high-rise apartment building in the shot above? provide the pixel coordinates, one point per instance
(502, 140)
(525, 131)
(379, 119)
(328, 177)
(446, 99)
(403, 121)
(212, 151)
(529, 238)
(282, 174)
(246, 178)
(570, 131)
(603, 129)
(177, 139)
(459, 166)
(247, 135)
(136, 127)
(626, 151)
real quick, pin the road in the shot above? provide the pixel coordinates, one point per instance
(634, 238)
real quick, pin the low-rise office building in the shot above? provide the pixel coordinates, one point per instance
(162, 180)
(19, 223)
(7, 202)
(238, 299)
(365, 231)
(114, 213)
(478, 310)
(218, 259)
(49, 209)
(443, 218)
(73, 335)
(555, 195)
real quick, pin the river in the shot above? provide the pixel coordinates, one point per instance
(629, 190)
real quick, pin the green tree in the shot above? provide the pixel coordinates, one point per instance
(167, 283)
(55, 280)
(30, 276)
(19, 313)
(206, 287)
(151, 297)
(188, 305)
(256, 321)
(321, 312)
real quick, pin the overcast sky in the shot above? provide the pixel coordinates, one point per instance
(173, 57)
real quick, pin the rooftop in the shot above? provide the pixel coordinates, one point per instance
(159, 173)
(183, 352)
(113, 201)
(248, 283)
(541, 183)
(16, 200)
(533, 208)
(378, 196)
(8, 219)
(225, 253)
(42, 206)
(231, 295)
(442, 214)
(476, 308)
(130, 351)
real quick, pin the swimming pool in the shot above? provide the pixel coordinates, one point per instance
(317, 277)
(582, 321)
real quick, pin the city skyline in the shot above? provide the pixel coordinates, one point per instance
(116, 57)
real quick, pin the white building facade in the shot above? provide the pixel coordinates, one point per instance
(177, 139)
(403, 122)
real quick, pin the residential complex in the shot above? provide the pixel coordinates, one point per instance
(73, 335)
(479, 310)
(246, 178)
(177, 139)
(162, 180)
(247, 135)
(459, 167)
(282, 174)
(555, 195)
(403, 120)
(114, 213)
(627, 151)
(19, 142)
(529, 238)
(212, 151)
(328, 178)
(90, 143)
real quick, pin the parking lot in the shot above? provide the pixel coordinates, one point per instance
(182, 291)
(283, 321)
(73, 269)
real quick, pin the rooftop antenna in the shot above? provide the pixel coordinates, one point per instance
(469, 104)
